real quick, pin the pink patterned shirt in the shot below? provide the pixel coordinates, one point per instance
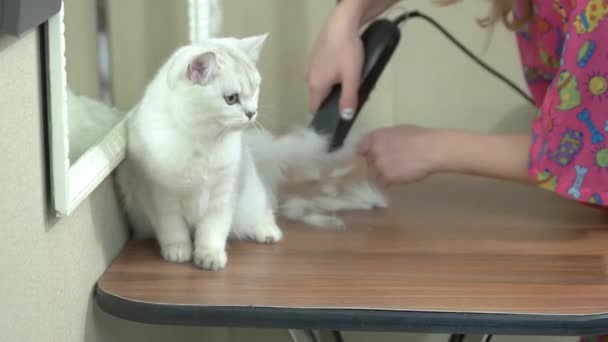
(564, 52)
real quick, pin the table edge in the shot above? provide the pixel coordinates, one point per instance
(351, 319)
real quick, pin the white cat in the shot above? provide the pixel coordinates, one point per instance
(191, 166)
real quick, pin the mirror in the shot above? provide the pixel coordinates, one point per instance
(100, 55)
(90, 109)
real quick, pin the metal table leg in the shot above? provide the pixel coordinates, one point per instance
(303, 335)
(461, 338)
(457, 337)
(315, 336)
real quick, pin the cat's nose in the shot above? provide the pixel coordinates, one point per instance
(250, 115)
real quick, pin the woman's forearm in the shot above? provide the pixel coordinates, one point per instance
(502, 156)
(366, 10)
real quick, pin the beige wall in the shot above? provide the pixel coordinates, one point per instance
(48, 266)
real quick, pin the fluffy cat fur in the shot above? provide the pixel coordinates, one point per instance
(195, 173)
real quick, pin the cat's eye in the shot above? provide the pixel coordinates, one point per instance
(231, 99)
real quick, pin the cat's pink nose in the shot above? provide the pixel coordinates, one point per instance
(250, 115)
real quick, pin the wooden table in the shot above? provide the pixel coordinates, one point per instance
(451, 254)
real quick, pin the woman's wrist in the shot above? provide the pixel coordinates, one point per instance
(362, 11)
(352, 10)
(437, 151)
(500, 156)
(448, 151)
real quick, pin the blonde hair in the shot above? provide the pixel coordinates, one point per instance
(501, 11)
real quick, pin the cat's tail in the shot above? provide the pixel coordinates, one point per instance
(301, 154)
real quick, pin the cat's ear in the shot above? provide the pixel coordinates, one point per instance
(252, 46)
(202, 69)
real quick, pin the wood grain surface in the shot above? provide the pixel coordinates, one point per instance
(454, 244)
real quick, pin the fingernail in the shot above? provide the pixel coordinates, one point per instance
(347, 114)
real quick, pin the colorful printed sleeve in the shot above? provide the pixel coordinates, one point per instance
(569, 152)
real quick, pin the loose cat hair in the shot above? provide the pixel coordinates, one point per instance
(195, 173)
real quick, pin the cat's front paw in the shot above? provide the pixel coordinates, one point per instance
(177, 252)
(268, 233)
(210, 258)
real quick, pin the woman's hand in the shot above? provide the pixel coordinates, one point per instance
(400, 154)
(407, 154)
(337, 58)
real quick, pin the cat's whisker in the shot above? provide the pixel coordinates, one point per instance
(262, 126)
(254, 124)
(263, 117)
(259, 127)
(256, 127)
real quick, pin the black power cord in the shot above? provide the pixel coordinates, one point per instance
(416, 14)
